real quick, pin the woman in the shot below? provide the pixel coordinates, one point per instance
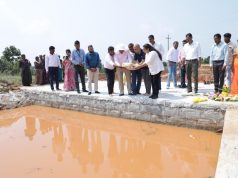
(39, 71)
(69, 81)
(109, 67)
(153, 60)
(25, 67)
(234, 85)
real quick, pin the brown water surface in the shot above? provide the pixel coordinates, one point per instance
(41, 142)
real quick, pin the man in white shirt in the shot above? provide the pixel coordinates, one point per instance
(192, 53)
(229, 58)
(122, 58)
(158, 46)
(172, 58)
(217, 59)
(52, 64)
(182, 66)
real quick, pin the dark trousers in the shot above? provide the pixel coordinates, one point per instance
(110, 74)
(79, 70)
(53, 75)
(146, 77)
(156, 84)
(182, 75)
(218, 74)
(192, 69)
(136, 81)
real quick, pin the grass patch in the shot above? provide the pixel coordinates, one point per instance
(15, 79)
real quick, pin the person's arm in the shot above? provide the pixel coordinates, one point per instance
(59, 63)
(169, 55)
(47, 63)
(83, 57)
(87, 65)
(98, 61)
(117, 61)
(211, 58)
(199, 51)
(226, 52)
(73, 57)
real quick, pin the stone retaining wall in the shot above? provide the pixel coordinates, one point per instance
(199, 116)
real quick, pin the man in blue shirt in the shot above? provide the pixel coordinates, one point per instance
(92, 62)
(78, 58)
(217, 59)
(144, 73)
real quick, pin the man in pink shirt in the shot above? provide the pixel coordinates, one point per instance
(182, 66)
(123, 57)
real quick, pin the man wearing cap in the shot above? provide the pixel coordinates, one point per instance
(122, 56)
(52, 64)
(229, 58)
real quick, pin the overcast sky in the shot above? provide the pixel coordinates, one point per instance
(34, 25)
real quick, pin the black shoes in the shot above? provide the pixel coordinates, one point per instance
(89, 93)
(85, 91)
(153, 97)
(58, 89)
(122, 94)
(97, 92)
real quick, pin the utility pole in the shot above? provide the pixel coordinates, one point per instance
(168, 38)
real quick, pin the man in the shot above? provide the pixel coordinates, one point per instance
(52, 64)
(229, 58)
(109, 67)
(217, 61)
(92, 61)
(78, 59)
(192, 51)
(123, 57)
(158, 46)
(142, 73)
(131, 50)
(172, 58)
(182, 66)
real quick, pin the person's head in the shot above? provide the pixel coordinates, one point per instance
(189, 38)
(121, 48)
(77, 45)
(111, 51)
(151, 39)
(37, 58)
(90, 49)
(217, 38)
(227, 37)
(176, 44)
(131, 47)
(184, 42)
(40, 56)
(148, 48)
(68, 52)
(52, 49)
(23, 56)
(137, 48)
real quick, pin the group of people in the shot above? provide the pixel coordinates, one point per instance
(136, 63)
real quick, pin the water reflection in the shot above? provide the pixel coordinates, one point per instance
(125, 150)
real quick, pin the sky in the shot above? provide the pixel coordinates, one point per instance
(34, 25)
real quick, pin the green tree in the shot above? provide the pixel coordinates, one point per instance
(9, 60)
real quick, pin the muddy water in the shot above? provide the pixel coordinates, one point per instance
(40, 142)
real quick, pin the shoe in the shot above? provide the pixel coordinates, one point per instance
(131, 94)
(97, 92)
(85, 91)
(138, 93)
(167, 88)
(58, 89)
(151, 96)
(122, 94)
(154, 97)
(89, 93)
(78, 91)
(52, 89)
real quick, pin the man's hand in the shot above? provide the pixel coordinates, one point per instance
(224, 67)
